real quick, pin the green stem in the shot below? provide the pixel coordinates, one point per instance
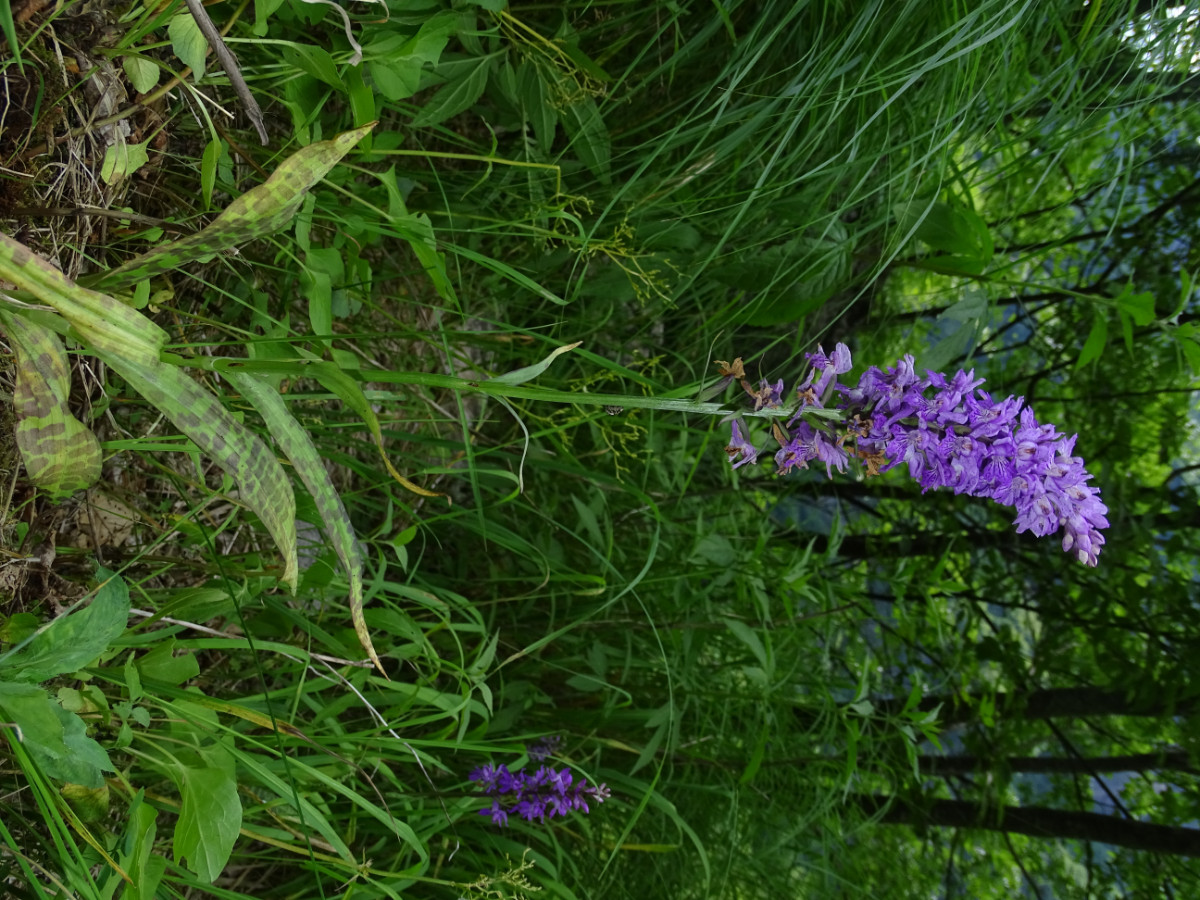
(295, 367)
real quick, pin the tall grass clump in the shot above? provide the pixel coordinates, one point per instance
(380, 536)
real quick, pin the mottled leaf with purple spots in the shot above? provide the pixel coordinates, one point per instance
(256, 213)
(61, 455)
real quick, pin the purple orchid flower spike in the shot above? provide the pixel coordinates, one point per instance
(949, 434)
(547, 793)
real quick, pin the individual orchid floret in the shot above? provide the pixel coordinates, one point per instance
(767, 395)
(739, 446)
(729, 372)
(809, 443)
(824, 368)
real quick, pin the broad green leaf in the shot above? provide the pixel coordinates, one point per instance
(586, 64)
(121, 160)
(1138, 306)
(298, 446)
(313, 60)
(955, 230)
(208, 172)
(1126, 329)
(262, 484)
(1096, 341)
(534, 96)
(263, 9)
(56, 739)
(788, 306)
(258, 212)
(323, 270)
(68, 643)
(953, 344)
(418, 231)
(455, 96)
(1191, 352)
(432, 260)
(141, 72)
(1186, 286)
(520, 376)
(747, 636)
(660, 720)
(89, 803)
(972, 308)
(396, 63)
(209, 820)
(84, 760)
(589, 137)
(60, 453)
(138, 859)
(396, 80)
(196, 604)
(161, 664)
(362, 100)
(949, 265)
(756, 757)
(18, 626)
(348, 391)
(188, 43)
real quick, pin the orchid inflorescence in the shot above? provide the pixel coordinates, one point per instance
(547, 792)
(947, 431)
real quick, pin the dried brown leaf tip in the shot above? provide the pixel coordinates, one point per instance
(734, 369)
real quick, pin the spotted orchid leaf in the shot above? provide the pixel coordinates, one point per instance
(295, 442)
(130, 344)
(263, 486)
(99, 321)
(61, 455)
(256, 213)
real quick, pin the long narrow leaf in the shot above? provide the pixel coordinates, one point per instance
(298, 446)
(346, 388)
(130, 344)
(262, 484)
(258, 212)
(526, 373)
(100, 321)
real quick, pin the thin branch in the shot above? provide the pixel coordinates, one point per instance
(229, 63)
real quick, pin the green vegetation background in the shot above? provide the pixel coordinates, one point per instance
(792, 686)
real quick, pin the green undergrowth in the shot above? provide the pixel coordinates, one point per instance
(433, 395)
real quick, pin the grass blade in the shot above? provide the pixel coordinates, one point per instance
(348, 391)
